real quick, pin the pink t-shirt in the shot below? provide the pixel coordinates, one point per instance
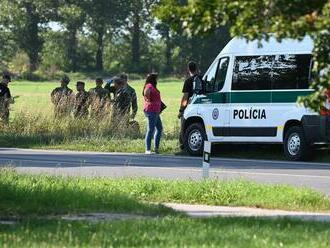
(153, 102)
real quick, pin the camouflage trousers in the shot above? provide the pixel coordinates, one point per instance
(60, 113)
(4, 116)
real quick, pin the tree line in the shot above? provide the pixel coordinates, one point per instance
(48, 36)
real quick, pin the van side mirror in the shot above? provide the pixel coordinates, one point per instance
(198, 86)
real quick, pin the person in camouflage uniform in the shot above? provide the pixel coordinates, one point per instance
(82, 101)
(5, 98)
(121, 103)
(99, 99)
(133, 98)
(62, 98)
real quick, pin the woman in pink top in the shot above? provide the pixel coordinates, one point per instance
(152, 109)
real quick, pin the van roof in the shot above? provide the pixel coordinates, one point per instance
(241, 46)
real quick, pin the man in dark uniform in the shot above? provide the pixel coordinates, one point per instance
(5, 98)
(99, 99)
(82, 101)
(121, 103)
(188, 91)
(133, 98)
(62, 98)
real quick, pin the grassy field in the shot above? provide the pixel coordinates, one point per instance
(34, 97)
(28, 194)
(33, 127)
(31, 199)
(168, 232)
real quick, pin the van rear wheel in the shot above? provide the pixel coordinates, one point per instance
(194, 138)
(296, 147)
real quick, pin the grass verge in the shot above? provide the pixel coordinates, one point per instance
(34, 195)
(168, 232)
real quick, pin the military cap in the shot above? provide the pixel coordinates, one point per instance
(65, 79)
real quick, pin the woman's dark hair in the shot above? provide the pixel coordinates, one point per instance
(151, 79)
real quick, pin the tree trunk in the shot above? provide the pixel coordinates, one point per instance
(29, 40)
(72, 48)
(136, 42)
(168, 52)
(99, 52)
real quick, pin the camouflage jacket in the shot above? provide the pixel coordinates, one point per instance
(133, 100)
(99, 97)
(122, 102)
(81, 104)
(61, 95)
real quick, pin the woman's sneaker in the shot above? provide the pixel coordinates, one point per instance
(148, 152)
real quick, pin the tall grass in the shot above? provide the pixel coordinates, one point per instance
(95, 134)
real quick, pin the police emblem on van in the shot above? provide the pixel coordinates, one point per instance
(215, 114)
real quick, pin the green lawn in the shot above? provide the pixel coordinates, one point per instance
(32, 195)
(168, 232)
(31, 198)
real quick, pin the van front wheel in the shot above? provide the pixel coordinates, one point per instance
(296, 147)
(194, 138)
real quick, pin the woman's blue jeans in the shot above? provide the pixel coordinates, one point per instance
(155, 128)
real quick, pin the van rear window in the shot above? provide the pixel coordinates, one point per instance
(291, 72)
(271, 72)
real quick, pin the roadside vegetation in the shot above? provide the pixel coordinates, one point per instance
(36, 204)
(34, 195)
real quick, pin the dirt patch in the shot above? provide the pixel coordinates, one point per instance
(8, 222)
(97, 217)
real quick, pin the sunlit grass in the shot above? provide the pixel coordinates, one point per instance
(32, 194)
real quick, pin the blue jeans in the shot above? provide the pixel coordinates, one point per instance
(155, 128)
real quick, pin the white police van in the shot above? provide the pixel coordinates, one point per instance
(250, 95)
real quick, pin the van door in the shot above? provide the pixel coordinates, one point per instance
(250, 99)
(213, 106)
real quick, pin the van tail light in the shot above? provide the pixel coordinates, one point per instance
(325, 109)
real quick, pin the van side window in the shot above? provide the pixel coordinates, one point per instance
(216, 77)
(252, 73)
(291, 71)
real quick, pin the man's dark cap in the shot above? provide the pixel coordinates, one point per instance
(80, 83)
(6, 76)
(124, 76)
(117, 80)
(65, 79)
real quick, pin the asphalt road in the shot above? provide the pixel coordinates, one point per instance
(314, 175)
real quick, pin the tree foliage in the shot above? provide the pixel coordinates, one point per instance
(257, 19)
(101, 35)
(25, 19)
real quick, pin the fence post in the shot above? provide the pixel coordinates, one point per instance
(206, 159)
